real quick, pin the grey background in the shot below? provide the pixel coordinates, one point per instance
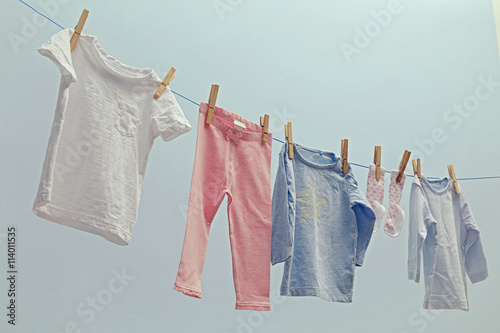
(283, 58)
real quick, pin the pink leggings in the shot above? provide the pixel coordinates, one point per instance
(237, 163)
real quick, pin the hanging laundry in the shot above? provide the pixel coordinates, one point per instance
(375, 194)
(105, 122)
(444, 232)
(231, 159)
(322, 224)
(395, 215)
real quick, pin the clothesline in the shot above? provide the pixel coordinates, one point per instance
(198, 104)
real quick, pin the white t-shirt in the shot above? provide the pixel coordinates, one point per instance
(105, 122)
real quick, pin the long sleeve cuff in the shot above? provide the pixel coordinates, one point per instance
(414, 276)
(359, 259)
(478, 277)
(276, 258)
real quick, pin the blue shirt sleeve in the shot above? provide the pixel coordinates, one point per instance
(475, 261)
(365, 217)
(421, 221)
(283, 210)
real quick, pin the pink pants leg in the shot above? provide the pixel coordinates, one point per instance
(236, 163)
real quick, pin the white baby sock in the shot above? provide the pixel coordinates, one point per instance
(375, 194)
(395, 216)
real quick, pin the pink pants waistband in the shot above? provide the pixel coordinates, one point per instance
(224, 120)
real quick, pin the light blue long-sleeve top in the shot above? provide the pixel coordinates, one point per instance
(443, 231)
(322, 224)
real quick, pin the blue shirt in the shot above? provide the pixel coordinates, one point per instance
(322, 224)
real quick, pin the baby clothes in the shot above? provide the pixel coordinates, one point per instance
(375, 194)
(443, 231)
(322, 225)
(395, 216)
(237, 163)
(106, 120)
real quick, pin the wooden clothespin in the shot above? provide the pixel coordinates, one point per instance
(289, 139)
(163, 85)
(402, 165)
(451, 171)
(376, 160)
(78, 29)
(211, 103)
(264, 123)
(416, 169)
(344, 149)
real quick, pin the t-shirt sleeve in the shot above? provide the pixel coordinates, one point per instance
(475, 261)
(58, 49)
(168, 119)
(365, 217)
(283, 210)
